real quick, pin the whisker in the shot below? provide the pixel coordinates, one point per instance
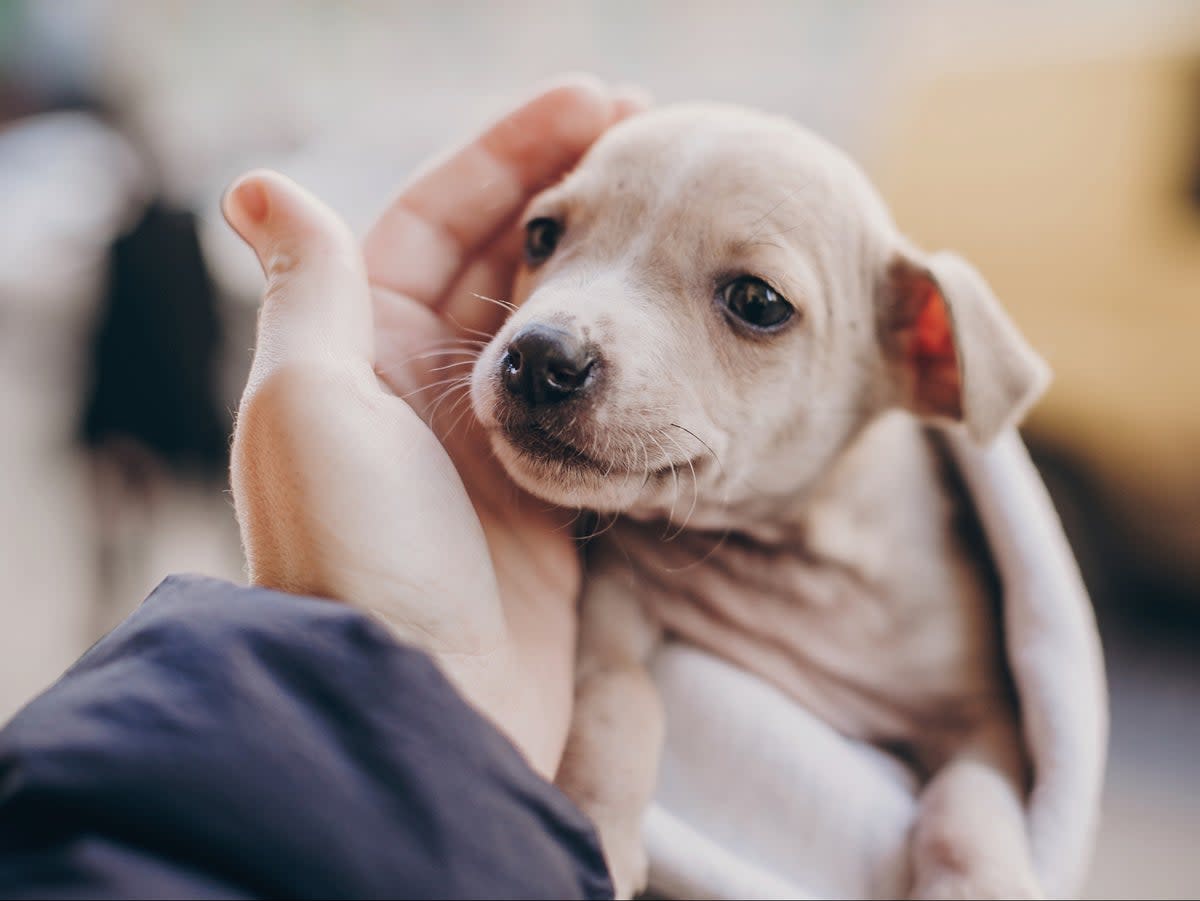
(468, 362)
(612, 461)
(458, 378)
(675, 486)
(646, 464)
(508, 305)
(453, 344)
(441, 399)
(487, 336)
(457, 340)
(716, 547)
(616, 517)
(695, 496)
(707, 446)
(584, 515)
(474, 352)
(596, 533)
(695, 488)
(466, 396)
(570, 522)
(465, 402)
(445, 352)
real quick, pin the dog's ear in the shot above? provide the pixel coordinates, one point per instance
(954, 351)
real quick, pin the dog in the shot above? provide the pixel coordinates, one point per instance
(724, 348)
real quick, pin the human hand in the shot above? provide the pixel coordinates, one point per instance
(357, 472)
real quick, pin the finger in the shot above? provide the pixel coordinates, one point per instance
(481, 298)
(454, 209)
(478, 298)
(316, 302)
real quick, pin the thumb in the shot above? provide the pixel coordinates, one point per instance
(316, 303)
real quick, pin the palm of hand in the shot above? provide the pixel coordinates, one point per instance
(348, 479)
(423, 358)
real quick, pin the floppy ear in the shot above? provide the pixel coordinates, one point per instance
(954, 351)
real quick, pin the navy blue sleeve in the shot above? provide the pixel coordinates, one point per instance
(228, 742)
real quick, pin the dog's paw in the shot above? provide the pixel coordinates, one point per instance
(958, 886)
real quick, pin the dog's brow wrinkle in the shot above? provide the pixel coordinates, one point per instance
(763, 244)
(786, 231)
(789, 196)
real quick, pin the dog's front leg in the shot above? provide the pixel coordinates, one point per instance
(970, 839)
(611, 759)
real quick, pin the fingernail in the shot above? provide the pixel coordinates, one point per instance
(250, 199)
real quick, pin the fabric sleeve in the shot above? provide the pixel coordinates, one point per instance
(229, 742)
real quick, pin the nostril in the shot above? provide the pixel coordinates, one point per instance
(512, 373)
(567, 375)
(512, 360)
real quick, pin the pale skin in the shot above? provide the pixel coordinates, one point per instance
(342, 489)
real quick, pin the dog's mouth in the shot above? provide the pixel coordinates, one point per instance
(535, 444)
(535, 441)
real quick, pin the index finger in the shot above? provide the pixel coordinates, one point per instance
(451, 212)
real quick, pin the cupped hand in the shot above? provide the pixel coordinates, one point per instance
(358, 472)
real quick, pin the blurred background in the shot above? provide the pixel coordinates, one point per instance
(1057, 145)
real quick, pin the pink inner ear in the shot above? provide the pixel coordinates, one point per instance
(931, 332)
(938, 384)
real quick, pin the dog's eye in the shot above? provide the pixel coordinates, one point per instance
(754, 301)
(541, 237)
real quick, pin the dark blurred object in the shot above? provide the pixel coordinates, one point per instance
(1196, 153)
(1114, 552)
(365, 774)
(156, 348)
(152, 418)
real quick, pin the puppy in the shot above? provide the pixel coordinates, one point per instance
(723, 341)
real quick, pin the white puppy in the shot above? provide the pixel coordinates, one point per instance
(723, 341)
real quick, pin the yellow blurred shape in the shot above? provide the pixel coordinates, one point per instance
(1070, 185)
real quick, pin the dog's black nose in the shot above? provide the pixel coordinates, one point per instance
(545, 365)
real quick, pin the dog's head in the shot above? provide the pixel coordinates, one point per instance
(718, 299)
